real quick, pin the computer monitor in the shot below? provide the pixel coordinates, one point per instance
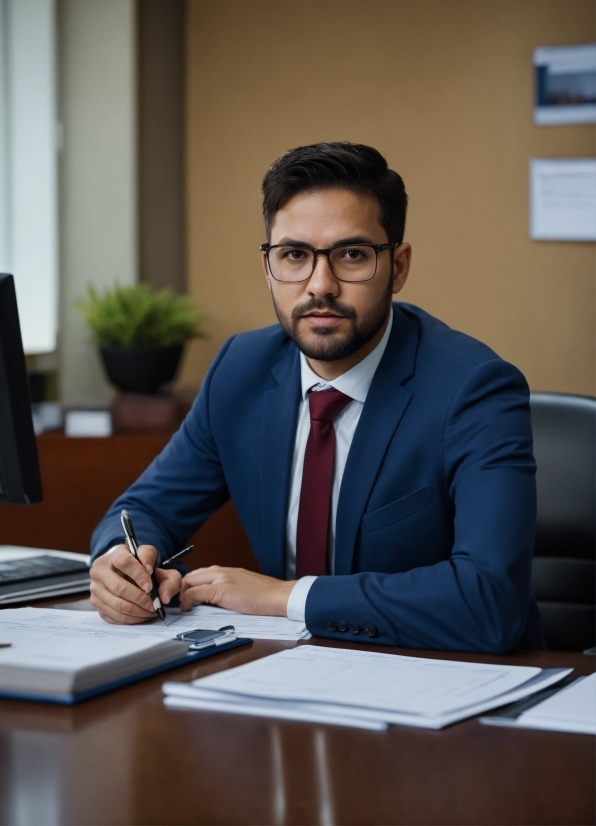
(20, 481)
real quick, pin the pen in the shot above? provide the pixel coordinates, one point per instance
(133, 547)
(168, 562)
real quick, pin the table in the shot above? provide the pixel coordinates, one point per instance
(125, 759)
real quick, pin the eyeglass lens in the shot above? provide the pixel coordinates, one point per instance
(350, 263)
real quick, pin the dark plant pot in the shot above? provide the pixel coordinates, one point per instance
(141, 369)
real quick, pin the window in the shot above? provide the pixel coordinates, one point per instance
(28, 165)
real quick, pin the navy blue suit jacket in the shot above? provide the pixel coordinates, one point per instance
(436, 513)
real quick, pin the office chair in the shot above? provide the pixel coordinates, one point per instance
(564, 567)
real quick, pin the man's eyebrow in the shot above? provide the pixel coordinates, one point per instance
(291, 242)
(353, 239)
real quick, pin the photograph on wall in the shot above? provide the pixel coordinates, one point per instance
(565, 85)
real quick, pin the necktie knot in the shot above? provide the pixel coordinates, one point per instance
(326, 405)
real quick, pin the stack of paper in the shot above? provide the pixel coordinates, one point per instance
(54, 654)
(45, 656)
(571, 709)
(360, 688)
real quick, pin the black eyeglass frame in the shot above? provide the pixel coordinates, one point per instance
(266, 249)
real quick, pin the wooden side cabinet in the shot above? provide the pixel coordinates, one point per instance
(81, 477)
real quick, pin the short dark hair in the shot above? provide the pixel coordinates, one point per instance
(338, 165)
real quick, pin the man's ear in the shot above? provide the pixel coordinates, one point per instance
(402, 258)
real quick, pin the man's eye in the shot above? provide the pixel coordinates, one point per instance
(353, 254)
(294, 254)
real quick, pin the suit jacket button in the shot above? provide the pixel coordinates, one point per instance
(370, 630)
(330, 625)
(342, 626)
(354, 628)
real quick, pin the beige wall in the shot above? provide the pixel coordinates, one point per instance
(443, 88)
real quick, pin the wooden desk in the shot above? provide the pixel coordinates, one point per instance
(126, 759)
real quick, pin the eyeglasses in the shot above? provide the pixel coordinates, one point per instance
(348, 262)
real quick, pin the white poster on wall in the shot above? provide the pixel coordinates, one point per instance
(563, 199)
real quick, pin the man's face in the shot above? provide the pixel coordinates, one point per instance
(329, 319)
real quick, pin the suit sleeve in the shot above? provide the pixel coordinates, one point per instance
(179, 490)
(478, 599)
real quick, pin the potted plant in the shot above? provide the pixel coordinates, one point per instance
(141, 334)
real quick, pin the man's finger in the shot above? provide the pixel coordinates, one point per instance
(124, 589)
(124, 561)
(200, 577)
(110, 614)
(169, 584)
(148, 556)
(119, 605)
(197, 593)
(113, 617)
(203, 576)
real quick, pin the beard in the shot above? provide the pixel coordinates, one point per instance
(328, 344)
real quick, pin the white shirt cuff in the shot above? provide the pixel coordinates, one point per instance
(297, 601)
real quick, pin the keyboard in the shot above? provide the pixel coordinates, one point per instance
(37, 567)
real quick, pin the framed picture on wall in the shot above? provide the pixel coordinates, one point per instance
(565, 84)
(563, 199)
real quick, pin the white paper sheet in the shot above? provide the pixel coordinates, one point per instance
(41, 638)
(310, 682)
(563, 199)
(89, 623)
(572, 709)
(306, 712)
(191, 696)
(23, 552)
(249, 625)
(383, 682)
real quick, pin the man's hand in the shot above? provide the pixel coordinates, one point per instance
(236, 589)
(120, 585)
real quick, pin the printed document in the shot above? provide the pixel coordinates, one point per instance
(89, 623)
(572, 709)
(40, 654)
(354, 686)
(248, 625)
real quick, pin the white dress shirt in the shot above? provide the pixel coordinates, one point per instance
(354, 383)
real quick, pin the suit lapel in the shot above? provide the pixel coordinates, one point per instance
(280, 413)
(385, 404)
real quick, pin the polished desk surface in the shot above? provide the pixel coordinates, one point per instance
(124, 758)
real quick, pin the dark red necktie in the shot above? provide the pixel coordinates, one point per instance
(317, 476)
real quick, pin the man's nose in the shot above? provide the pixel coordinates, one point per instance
(322, 281)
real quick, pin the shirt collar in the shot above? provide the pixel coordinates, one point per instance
(356, 381)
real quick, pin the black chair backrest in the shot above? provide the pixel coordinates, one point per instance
(564, 569)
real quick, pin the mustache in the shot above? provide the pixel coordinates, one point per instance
(326, 303)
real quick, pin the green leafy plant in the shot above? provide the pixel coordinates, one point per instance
(137, 317)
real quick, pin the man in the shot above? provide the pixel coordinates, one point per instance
(381, 463)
